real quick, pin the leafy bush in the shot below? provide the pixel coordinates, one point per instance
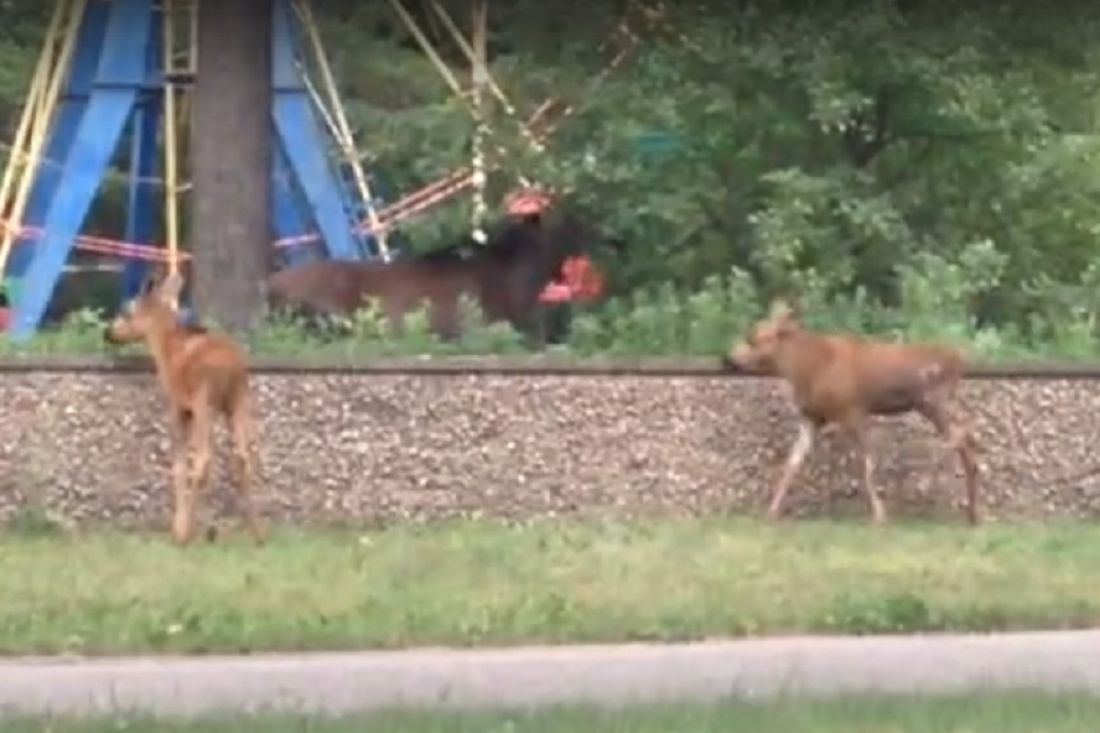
(662, 320)
(904, 169)
(938, 299)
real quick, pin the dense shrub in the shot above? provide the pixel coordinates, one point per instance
(913, 169)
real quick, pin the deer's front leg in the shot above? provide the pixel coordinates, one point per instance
(799, 451)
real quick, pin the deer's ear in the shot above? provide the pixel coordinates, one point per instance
(170, 289)
(149, 282)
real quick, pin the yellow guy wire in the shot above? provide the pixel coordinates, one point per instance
(487, 78)
(57, 76)
(343, 129)
(426, 45)
(39, 111)
(479, 73)
(193, 39)
(190, 55)
(444, 71)
(17, 158)
(171, 174)
(322, 108)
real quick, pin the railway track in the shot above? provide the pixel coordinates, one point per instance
(666, 367)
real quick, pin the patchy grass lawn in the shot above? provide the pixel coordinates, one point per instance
(994, 713)
(547, 581)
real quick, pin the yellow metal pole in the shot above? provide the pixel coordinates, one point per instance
(184, 106)
(55, 75)
(336, 121)
(58, 74)
(36, 91)
(193, 40)
(62, 10)
(434, 57)
(171, 210)
(326, 117)
(18, 156)
(342, 128)
(477, 72)
(426, 45)
(18, 159)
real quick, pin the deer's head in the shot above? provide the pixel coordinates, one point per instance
(153, 310)
(760, 348)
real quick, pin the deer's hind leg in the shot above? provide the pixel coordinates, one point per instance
(856, 428)
(242, 430)
(182, 528)
(958, 439)
(197, 474)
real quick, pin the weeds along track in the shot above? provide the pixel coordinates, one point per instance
(663, 367)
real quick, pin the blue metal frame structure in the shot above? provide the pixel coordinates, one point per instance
(301, 150)
(71, 108)
(85, 135)
(114, 86)
(142, 192)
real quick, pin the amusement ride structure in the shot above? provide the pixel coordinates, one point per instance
(111, 89)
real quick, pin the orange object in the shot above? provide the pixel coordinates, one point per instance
(555, 292)
(527, 202)
(583, 278)
(580, 280)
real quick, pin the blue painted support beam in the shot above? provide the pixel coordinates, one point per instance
(119, 76)
(359, 208)
(288, 217)
(301, 138)
(70, 111)
(143, 194)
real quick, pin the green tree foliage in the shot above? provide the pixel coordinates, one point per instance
(911, 167)
(895, 165)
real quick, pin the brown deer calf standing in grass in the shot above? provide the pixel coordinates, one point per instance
(838, 381)
(204, 374)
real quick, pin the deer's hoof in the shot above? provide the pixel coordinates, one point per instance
(181, 531)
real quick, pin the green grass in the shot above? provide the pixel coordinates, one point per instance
(547, 581)
(992, 713)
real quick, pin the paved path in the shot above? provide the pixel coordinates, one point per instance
(346, 682)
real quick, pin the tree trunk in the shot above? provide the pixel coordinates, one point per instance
(230, 227)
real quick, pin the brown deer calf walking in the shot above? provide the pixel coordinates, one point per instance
(838, 381)
(204, 374)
